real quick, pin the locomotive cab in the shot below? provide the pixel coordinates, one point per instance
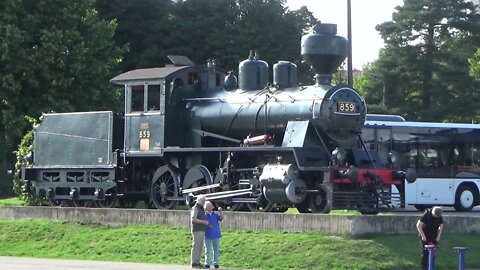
(154, 102)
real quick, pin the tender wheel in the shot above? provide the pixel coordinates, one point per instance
(83, 203)
(124, 203)
(164, 188)
(110, 201)
(61, 203)
(465, 198)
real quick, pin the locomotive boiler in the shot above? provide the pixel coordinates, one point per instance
(187, 129)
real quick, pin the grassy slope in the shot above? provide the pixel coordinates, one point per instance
(14, 201)
(241, 249)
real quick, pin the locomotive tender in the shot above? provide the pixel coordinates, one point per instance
(190, 129)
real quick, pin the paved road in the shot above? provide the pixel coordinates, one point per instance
(20, 263)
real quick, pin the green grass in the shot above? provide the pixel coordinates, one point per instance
(333, 212)
(240, 249)
(14, 201)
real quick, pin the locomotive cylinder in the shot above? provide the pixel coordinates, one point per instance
(281, 184)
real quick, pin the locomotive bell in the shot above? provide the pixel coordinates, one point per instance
(230, 81)
(324, 51)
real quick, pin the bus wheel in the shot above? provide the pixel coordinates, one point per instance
(465, 198)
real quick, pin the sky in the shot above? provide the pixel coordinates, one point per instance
(366, 14)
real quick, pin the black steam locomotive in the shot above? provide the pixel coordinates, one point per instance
(190, 129)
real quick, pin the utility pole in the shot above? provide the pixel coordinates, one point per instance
(383, 92)
(349, 36)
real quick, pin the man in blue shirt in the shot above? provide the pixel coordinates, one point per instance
(213, 234)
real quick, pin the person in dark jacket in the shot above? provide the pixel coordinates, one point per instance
(199, 226)
(430, 227)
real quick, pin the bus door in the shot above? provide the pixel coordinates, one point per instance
(435, 184)
(430, 191)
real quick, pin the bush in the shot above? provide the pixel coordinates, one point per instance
(24, 157)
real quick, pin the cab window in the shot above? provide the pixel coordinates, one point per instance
(153, 97)
(137, 102)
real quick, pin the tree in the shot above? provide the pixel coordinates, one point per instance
(224, 30)
(54, 56)
(425, 59)
(143, 26)
(475, 65)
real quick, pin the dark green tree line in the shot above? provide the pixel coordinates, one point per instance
(424, 64)
(55, 55)
(224, 30)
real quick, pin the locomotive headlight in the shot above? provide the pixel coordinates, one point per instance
(339, 154)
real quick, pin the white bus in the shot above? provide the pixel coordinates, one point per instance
(444, 156)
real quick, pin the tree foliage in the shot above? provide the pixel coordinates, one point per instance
(54, 56)
(224, 30)
(425, 61)
(475, 65)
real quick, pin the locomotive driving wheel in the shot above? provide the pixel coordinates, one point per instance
(164, 188)
(197, 176)
(82, 203)
(304, 206)
(262, 205)
(319, 201)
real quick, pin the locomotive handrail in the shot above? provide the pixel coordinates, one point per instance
(249, 100)
(210, 134)
(228, 194)
(189, 190)
(73, 136)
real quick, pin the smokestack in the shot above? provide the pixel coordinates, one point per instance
(324, 51)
